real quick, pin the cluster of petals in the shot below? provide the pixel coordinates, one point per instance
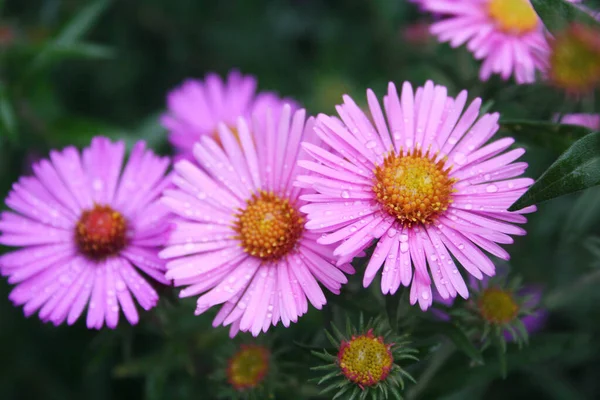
(204, 254)
(197, 107)
(486, 180)
(505, 52)
(50, 271)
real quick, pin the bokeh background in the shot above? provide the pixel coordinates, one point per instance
(72, 69)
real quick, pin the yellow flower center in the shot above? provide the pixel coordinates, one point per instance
(497, 306)
(513, 16)
(248, 367)
(365, 360)
(412, 187)
(269, 227)
(575, 59)
(100, 232)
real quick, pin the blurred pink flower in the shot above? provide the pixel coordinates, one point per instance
(196, 108)
(506, 34)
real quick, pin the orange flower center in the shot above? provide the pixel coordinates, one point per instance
(248, 367)
(269, 227)
(233, 130)
(497, 306)
(365, 360)
(100, 232)
(513, 16)
(412, 187)
(575, 59)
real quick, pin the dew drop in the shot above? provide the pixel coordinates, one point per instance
(392, 232)
(370, 144)
(460, 159)
(468, 206)
(404, 247)
(491, 189)
(345, 194)
(425, 295)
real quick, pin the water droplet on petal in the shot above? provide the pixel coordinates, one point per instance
(460, 159)
(404, 247)
(345, 194)
(425, 295)
(491, 189)
(392, 232)
(370, 144)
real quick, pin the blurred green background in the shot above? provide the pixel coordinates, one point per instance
(71, 69)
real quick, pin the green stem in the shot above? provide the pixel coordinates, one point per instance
(565, 294)
(437, 361)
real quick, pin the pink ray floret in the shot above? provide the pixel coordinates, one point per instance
(482, 182)
(519, 51)
(197, 107)
(89, 234)
(206, 253)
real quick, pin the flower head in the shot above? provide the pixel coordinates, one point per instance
(247, 368)
(196, 108)
(367, 360)
(86, 229)
(504, 308)
(575, 59)
(430, 191)
(506, 34)
(240, 237)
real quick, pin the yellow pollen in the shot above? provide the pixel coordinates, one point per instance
(100, 232)
(497, 306)
(365, 360)
(248, 367)
(269, 227)
(233, 130)
(575, 59)
(412, 187)
(513, 16)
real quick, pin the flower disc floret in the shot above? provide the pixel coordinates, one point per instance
(365, 359)
(269, 227)
(513, 16)
(498, 306)
(248, 367)
(100, 232)
(413, 187)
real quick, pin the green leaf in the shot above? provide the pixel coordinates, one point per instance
(7, 116)
(459, 338)
(557, 14)
(81, 23)
(576, 169)
(548, 135)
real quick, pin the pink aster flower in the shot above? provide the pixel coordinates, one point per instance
(591, 121)
(86, 229)
(424, 183)
(197, 107)
(240, 239)
(506, 34)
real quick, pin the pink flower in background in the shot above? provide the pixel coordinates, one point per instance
(240, 236)
(424, 182)
(86, 229)
(506, 34)
(591, 121)
(197, 107)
